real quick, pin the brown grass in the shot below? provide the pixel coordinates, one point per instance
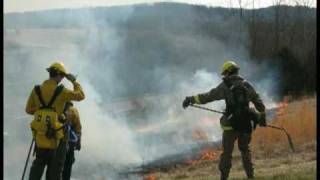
(272, 156)
(299, 119)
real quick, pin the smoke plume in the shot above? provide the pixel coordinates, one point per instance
(135, 78)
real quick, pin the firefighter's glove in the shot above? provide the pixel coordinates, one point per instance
(262, 120)
(72, 78)
(187, 101)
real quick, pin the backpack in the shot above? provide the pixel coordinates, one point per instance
(238, 106)
(47, 130)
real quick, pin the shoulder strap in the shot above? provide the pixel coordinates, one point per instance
(57, 91)
(38, 92)
(227, 83)
(245, 101)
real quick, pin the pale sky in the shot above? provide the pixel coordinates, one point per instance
(32, 5)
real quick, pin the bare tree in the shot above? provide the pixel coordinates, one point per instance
(277, 4)
(240, 19)
(242, 5)
(253, 28)
(302, 10)
(304, 3)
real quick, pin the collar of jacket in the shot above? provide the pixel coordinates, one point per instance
(50, 81)
(233, 77)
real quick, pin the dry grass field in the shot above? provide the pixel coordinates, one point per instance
(272, 156)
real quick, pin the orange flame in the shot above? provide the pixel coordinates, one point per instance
(208, 154)
(151, 176)
(282, 106)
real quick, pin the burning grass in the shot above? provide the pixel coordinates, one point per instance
(298, 118)
(150, 176)
(207, 154)
(272, 156)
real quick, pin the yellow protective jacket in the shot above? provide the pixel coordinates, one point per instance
(47, 89)
(74, 119)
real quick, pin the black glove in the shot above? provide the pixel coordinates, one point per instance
(187, 101)
(78, 144)
(262, 120)
(71, 77)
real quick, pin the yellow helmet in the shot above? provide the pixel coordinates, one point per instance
(228, 65)
(59, 66)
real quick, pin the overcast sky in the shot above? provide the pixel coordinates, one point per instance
(32, 5)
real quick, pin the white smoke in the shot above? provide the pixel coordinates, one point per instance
(111, 142)
(104, 139)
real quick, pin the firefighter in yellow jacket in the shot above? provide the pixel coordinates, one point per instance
(74, 138)
(52, 157)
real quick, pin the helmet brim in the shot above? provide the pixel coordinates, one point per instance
(50, 69)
